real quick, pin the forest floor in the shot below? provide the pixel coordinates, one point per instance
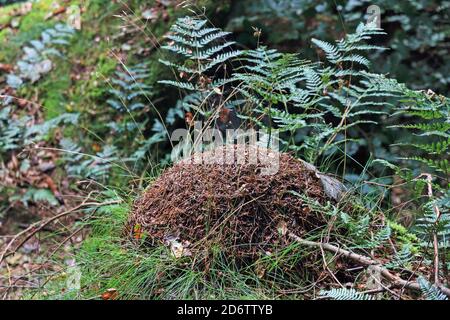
(35, 183)
(70, 85)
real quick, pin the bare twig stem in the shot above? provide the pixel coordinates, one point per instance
(393, 279)
(429, 180)
(37, 226)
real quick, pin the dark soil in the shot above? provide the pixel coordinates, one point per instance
(233, 205)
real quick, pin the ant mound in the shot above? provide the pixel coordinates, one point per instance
(245, 199)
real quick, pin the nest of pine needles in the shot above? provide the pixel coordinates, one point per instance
(233, 203)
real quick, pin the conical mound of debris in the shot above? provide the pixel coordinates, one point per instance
(243, 198)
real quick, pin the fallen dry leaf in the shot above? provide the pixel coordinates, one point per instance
(137, 232)
(96, 147)
(110, 294)
(4, 67)
(224, 115)
(189, 118)
(282, 228)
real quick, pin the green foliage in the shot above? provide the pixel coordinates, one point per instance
(107, 261)
(39, 131)
(131, 97)
(431, 129)
(11, 130)
(16, 134)
(203, 50)
(402, 234)
(295, 96)
(430, 223)
(430, 291)
(144, 147)
(418, 34)
(5, 2)
(379, 239)
(321, 109)
(344, 294)
(417, 53)
(35, 61)
(423, 117)
(301, 97)
(402, 258)
(129, 89)
(80, 165)
(298, 98)
(38, 195)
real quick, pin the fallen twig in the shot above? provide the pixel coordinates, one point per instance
(394, 280)
(37, 226)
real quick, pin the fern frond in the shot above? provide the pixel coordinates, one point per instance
(179, 84)
(129, 89)
(203, 49)
(332, 52)
(441, 165)
(401, 258)
(430, 291)
(356, 59)
(34, 62)
(437, 147)
(344, 294)
(219, 59)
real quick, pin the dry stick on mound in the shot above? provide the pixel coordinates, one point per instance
(396, 281)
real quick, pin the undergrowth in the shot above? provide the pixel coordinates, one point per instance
(134, 272)
(322, 112)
